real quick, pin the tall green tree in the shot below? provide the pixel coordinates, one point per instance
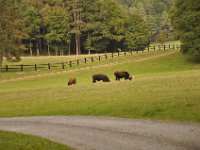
(11, 31)
(34, 12)
(32, 22)
(104, 24)
(154, 13)
(58, 29)
(162, 36)
(137, 33)
(186, 21)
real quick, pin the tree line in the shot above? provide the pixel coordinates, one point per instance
(60, 27)
(78, 26)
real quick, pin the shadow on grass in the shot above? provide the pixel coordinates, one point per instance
(193, 59)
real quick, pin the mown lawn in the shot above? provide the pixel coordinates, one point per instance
(34, 60)
(15, 141)
(164, 88)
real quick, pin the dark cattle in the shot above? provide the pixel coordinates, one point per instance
(122, 74)
(100, 77)
(72, 81)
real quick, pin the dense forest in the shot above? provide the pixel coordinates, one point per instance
(45, 27)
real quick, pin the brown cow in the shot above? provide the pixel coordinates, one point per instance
(122, 74)
(100, 77)
(72, 81)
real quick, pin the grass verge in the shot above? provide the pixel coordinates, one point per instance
(15, 141)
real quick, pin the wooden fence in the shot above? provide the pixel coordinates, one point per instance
(63, 65)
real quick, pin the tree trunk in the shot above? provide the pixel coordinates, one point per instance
(56, 51)
(44, 41)
(38, 51)
(77, 19)
(61, 52)
(31, 52)
(48, 50)
(69, 47)
(1, 59)
(40, 46)
(77, 44)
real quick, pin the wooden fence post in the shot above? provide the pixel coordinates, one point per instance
(70, 63)
(118, 54)
(164, 47)
(154, 47)
(63, 66)
(99, 58)
(6, 68)
(35, 67)
(21, 67)
(85, 59)
(169, 47)
(49, 66)
(77, 61)
(112, 55)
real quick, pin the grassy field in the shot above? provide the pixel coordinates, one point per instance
(14, 74)
(165, 88)
(43, 59)
(14, 141)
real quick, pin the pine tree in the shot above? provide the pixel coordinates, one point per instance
(58, 28)
(137, 33)
(186, 21)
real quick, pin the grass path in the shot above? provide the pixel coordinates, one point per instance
(31, 77)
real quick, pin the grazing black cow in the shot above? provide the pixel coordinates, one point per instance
(72, 81)
(100, 77)
(122, 74)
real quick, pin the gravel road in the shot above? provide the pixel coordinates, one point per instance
(105, 133)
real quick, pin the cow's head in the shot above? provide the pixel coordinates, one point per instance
(130, 77)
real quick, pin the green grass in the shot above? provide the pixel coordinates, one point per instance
(165, 88)
(15, 141)
(44, 60)
(30, 72)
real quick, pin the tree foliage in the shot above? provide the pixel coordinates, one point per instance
(105, 26)
(58, 27)
(154, 13)
(11, 30)
(186, 20)
(44, 26)
(137, 33)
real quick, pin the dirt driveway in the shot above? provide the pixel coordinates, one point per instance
(105, 133)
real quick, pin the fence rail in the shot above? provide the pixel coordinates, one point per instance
(64, 65)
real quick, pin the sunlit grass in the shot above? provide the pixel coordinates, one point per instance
(16, 73)
(15, 141)
(163, 88)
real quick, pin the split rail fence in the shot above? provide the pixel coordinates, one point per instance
(68, 64)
